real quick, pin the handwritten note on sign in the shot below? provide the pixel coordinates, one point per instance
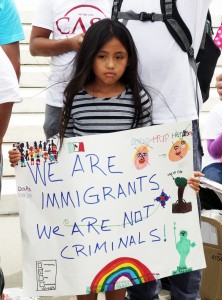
(108, 211)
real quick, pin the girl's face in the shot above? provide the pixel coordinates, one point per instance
(110, 62)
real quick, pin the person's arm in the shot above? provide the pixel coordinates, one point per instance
(214, 147)
(13, 52)
(5, 114)
(219, 85)
(41, 44)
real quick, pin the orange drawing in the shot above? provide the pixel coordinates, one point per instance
(179, 150)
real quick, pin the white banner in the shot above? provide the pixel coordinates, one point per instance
(108, 211)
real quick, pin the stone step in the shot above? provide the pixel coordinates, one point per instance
(27, 31)
(33, 101)
(217, 71)
(34, 76)
(213, 99)
(28, 59)
(215, 9)
(27, 10)
(25, 127)
(219, 62)
(9, 201)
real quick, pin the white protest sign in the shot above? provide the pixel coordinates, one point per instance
(108, 211)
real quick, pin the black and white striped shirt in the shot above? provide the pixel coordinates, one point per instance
(91, 115)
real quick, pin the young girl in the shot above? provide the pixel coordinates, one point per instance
(105, 94)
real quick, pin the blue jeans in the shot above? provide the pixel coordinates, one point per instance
(52, 120)
(145, 291)
(214, 172)
(185, 286)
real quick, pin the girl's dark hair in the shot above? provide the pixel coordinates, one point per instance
(95, 38)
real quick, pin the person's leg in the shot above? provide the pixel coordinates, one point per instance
(116, 295)
(185, 286)
(112, 295)
(52, 120)
(209, 199)
(2, 283)
(87, 297)
(146, 291)
(214, 172)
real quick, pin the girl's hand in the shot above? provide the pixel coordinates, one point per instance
(76, 42)
(14, 157)
(194, 181)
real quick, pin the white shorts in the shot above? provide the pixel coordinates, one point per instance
(9, 88)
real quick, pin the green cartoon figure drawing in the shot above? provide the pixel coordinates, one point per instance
(183, 247)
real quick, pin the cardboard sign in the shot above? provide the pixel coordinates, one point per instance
(108, 211)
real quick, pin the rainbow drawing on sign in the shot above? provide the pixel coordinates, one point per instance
(132, 269)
